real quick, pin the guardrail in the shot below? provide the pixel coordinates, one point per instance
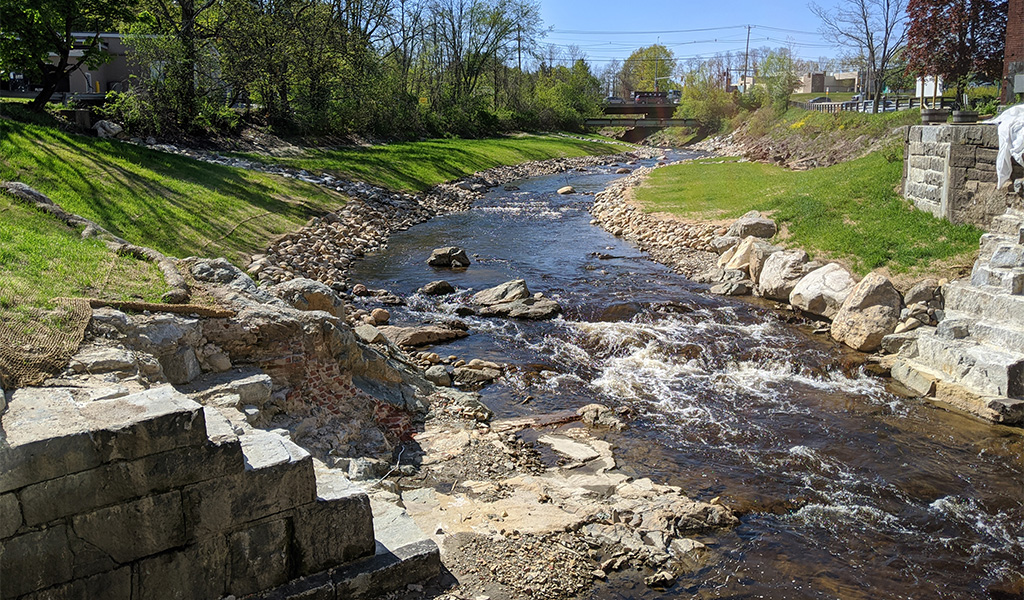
(867, 106)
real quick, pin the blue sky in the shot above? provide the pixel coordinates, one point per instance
(588, 24)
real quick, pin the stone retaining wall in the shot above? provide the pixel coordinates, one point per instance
(153, 496)
(949, 171)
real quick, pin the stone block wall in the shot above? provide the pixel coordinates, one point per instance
(153, 496)
(949, 171)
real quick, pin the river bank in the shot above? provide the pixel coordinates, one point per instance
(720, 400)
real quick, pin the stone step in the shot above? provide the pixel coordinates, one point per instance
(998, 335)
(1007, 280)
(48, 434)
(402, 555)
(990, 242)
(984, 303)
(929, 383)
(1010, 223)
(984, 369)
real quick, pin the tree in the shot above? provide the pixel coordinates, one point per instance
(778, 76)
(31, 31)
(874, 30)
(646, 67)
(958, 40)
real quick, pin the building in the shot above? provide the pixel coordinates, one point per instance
(1013, 63)
(110, 76)
(820, 83)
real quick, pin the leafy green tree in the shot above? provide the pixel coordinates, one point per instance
(31, 31)
(647, 68)
(776, 74)
(705, 100)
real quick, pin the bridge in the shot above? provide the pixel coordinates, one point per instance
(654, 116)
(644, 123)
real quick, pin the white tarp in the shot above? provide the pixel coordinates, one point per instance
(1011, 141)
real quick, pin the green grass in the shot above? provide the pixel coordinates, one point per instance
(174, 204)
(848, 212)
(416, 166)
(41, 259)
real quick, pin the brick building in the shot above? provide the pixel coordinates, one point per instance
(1013, 64)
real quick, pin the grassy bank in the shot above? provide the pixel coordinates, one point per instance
(848, 212)
(182, 207)
(416, 166)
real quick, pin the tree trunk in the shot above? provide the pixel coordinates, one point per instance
(51, 79)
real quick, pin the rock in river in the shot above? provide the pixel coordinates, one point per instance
(868, 314)
(506, 292)
(437, 288)
(450, 256)
(421, 336)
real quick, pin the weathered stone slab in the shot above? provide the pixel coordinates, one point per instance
(24, 557)
(124, 480)
(257, 557)
(994, 408)
(914, 378)
(135, 529)
(111, 584)
(46, 437)
(278, 477)
(197, 571)
(10, 515)
(981, 368)
(145, 423)
(984, 304)
(335, 529)
(49, 435)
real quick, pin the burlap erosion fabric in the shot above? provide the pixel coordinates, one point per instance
(36, 346)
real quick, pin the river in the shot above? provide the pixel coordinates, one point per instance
(845, 490)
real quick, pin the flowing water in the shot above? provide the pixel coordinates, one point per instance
(845, 490)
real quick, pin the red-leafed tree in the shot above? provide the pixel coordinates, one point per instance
(959, 40)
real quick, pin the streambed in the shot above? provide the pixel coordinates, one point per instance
(845, 490)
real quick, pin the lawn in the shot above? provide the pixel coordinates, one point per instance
(417, 166)
(42, 259)
(848, 212)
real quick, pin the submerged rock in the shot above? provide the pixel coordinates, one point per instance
(437, 288)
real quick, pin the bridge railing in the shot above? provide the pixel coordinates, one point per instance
(867, 106)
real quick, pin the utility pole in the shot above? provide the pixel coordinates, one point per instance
(746, 61)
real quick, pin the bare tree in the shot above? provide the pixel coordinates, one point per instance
(874, 29)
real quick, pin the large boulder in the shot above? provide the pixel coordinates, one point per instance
(868, 314)
(307, 294)
(506, 292)
(528, 308)
(451, 257)
(780, 273)
(823, 291)
(748, 256)
(753, 224)
(420, 336)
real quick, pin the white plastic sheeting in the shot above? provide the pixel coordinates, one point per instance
(1011, 142)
